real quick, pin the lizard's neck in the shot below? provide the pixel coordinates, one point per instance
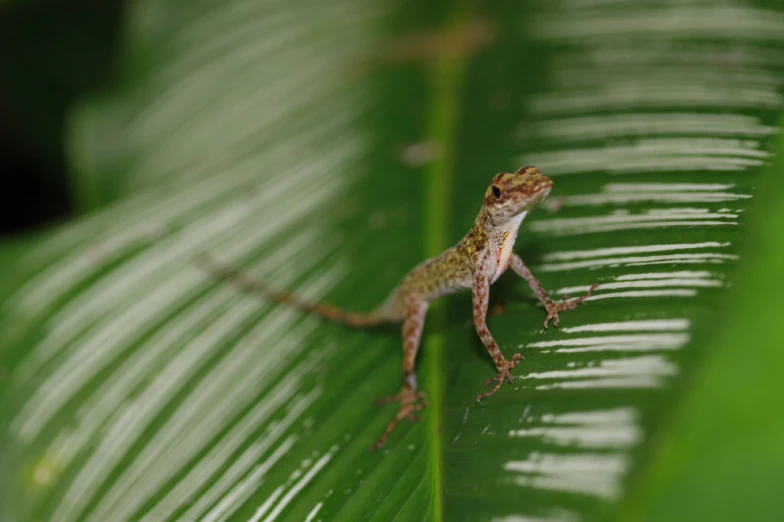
(503, 240)
(499, 232)
(508, 231)
(494, 239)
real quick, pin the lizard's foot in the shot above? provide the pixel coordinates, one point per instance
(503, 374)
(567, 304)
(411, 401)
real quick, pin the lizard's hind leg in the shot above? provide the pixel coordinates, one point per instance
(411, 401)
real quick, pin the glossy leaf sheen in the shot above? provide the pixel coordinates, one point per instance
(327, 147)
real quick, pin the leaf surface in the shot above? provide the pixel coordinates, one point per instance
(326, 148)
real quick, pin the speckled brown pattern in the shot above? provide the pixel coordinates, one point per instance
(475, 262)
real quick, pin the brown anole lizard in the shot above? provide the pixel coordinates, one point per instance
(475, 262)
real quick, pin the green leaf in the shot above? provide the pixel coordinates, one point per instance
(327, 147)
(720, 458)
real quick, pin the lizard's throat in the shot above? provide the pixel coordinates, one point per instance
(506, 241)
(509, 229)
(507, 232)
(517, 220)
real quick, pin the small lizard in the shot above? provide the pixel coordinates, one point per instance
(475, 262)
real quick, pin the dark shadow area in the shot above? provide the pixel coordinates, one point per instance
(51, 54)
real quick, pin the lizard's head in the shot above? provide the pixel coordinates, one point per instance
(512, 194)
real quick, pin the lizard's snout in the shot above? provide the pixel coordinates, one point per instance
(537, 183)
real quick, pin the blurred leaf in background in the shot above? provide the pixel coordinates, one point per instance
(327, 147)
(721, 457)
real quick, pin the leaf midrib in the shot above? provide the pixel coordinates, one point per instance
(446, 77)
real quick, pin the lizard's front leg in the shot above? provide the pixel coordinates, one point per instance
(552, 307)
(480, 294)
(411, 400)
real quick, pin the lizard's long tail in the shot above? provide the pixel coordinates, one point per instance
(245, 282)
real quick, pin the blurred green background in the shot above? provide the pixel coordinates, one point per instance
(327, 147)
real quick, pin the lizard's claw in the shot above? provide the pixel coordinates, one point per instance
(411, 401)
(503, 374)
(553, 308)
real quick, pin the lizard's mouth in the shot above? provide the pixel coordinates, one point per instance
(543, 190)
(536, 196)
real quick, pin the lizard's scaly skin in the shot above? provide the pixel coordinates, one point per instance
(475, 262)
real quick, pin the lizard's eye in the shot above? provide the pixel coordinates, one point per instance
(496, 192)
